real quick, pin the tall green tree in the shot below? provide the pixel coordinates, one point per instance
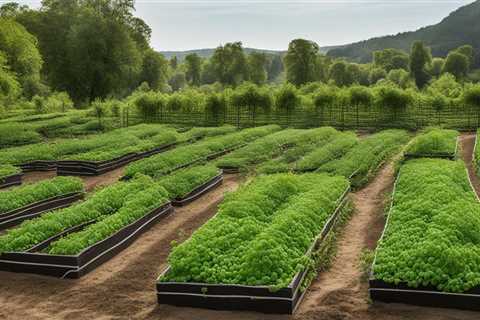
(456, 64)
(19, 47)
(193, 65)
(390, 59)
(154, 70)
(300, 61)
(229, 64)
(257, 62)
(275, 67)
(420, 58)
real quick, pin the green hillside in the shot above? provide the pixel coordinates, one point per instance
(460, 27)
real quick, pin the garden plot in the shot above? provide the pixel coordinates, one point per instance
(429, 252)
(434, 143)
(255, 254)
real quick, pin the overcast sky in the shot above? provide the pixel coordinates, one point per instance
(271, 24)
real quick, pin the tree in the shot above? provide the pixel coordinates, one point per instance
(360, 96)
(468, 51)
(400, 77)
(390, 97)
(173, 62)
(178, 81)
(193, 65)
(376, 74)
(257, 67)
(229, 64)
(436, 68)
(340, 74)
(456, 64)
(390, 59)
(446, 85)
(215, 106)
(9, 87)
(300, 61)
(287, 99)
(19, 47)
(154, 70)
(420, 58)
(471, 97)
(275, 67)
(253, 97)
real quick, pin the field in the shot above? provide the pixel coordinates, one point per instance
(294, 215)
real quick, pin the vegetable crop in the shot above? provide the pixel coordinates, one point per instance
(361, 161)
(261, 233)
(434, 143)
(101, 204)
(182, 182)
(274, 145)
(433, 234)
(27, 194)
(8, 170)
(172, 160)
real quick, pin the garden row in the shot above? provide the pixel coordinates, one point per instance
(257, 252)
(100, 153)
(429, 252)
(72, 241)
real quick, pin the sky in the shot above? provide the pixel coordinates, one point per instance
(272, 24)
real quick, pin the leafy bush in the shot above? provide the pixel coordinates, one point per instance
(31, 193)
(434, 142)
(261, 233)
(169, 161)
(433, 234)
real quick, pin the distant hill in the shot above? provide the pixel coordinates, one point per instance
(207, 53)
(460, 27)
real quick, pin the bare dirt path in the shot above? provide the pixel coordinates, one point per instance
(467, 144)
(122, 288)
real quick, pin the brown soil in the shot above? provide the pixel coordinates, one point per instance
(103, 180)
(36, 176)
(122, 288)
(467, 144)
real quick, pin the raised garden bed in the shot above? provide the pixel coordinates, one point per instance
(199, 191)
(33, 210)
(441, 155)
(75, 266)
(427, 296)
(94, 168)
(13, 180)
(244, 297)
(40, 165)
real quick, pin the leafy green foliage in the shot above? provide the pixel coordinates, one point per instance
(100, 205)
(182, 182)
(432, 236)
(27, 194)
(261, 233)
(17, 134)
(169, 161)
(362, 161)
(134, 208)
(434, 142)
(8, 170)
(272, 146)
(332, 150)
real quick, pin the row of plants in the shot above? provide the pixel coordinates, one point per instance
(362, 161)
(330, 151)
(8, 170)
(182, 182)
(434, 142)
(261, 233)
(127, 198)
(105, 146)
(28, 194)
(433, 232)
(169, 161)
(273, 146)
